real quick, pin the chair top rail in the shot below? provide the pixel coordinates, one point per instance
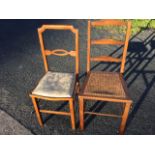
(109, 22)
(57, 27)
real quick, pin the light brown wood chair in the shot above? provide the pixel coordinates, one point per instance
(102, 85)
(57, 86)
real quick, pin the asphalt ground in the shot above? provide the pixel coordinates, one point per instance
(21, 67)
(9, 126)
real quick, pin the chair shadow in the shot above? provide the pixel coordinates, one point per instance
(143, 72)
(95, 108)
(57, 109)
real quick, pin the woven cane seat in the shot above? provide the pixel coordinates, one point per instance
(105, 84)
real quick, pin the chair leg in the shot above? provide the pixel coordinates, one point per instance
(122, 107)
(71, 106)
(81, 112)
(37, 111)
(78, 88)
(124, 117)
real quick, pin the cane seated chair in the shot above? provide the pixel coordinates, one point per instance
(102, 85)
(57, 86)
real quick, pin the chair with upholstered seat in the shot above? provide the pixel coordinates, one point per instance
(102, 85)
(57, 86)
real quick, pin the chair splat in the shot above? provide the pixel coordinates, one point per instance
(60, 52)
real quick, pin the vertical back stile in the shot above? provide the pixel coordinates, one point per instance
(77, 53)
(88, 46)
(125, 47)
(40, 31)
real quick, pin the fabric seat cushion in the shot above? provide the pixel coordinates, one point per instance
(56, 84)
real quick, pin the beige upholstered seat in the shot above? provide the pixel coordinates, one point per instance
(56, 84)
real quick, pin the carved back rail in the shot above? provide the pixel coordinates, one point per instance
(60, 52)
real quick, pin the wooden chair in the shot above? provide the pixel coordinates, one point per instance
(57, 86)
(106, 86)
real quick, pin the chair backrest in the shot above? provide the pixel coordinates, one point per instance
(59, 52)
(99, 23)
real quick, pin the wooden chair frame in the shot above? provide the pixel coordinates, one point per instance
(82, 97)
(58, 52)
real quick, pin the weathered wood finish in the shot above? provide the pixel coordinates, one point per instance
(58, 52)
(126, 103)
